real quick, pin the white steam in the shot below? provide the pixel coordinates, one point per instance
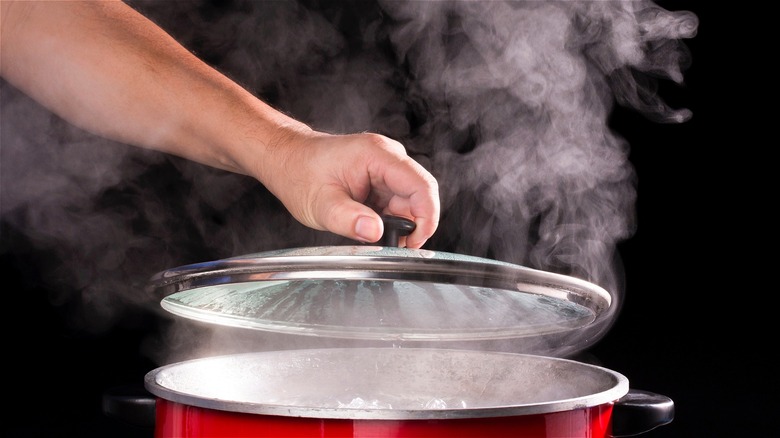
(507, 103)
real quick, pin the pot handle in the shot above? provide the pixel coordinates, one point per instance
(132, 405)
(395, 227)
(640, 411)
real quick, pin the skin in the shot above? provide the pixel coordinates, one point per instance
(109, 70)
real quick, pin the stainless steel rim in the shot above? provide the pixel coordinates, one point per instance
(171, 382)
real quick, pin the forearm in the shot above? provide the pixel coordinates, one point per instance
(109, 70)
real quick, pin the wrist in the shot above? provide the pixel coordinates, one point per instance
(278, 151)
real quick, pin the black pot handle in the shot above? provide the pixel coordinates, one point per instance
(395, 227)
(640, 411)
(131, 404)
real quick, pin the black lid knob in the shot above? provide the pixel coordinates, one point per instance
(395, 227)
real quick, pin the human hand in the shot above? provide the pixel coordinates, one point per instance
(340, 183)
(337, 183)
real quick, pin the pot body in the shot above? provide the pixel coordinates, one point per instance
(179, 420)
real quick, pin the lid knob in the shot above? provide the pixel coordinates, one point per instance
(395, 227)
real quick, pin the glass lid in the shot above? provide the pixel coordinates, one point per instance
(380, 293)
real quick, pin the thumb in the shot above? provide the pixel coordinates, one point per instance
(368, 228)
(346, 217)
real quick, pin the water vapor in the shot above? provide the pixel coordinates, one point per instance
(506, 103)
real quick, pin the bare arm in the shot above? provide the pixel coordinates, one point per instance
(106, 68)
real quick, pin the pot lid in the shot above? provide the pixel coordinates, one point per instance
(375, 292)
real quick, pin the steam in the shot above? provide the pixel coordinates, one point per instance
(507, 103)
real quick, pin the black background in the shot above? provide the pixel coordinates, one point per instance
(688, 328)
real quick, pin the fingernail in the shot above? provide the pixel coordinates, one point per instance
(367, 229)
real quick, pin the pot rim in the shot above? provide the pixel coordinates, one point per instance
(161, 382)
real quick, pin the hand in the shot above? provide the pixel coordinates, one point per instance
(338, 183)
(108, 69)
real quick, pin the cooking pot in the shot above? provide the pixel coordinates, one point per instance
(397, 392)
(400, 297)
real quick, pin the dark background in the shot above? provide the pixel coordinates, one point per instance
(688, 328)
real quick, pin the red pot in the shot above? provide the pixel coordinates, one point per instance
(181, 420)
(397, 392)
